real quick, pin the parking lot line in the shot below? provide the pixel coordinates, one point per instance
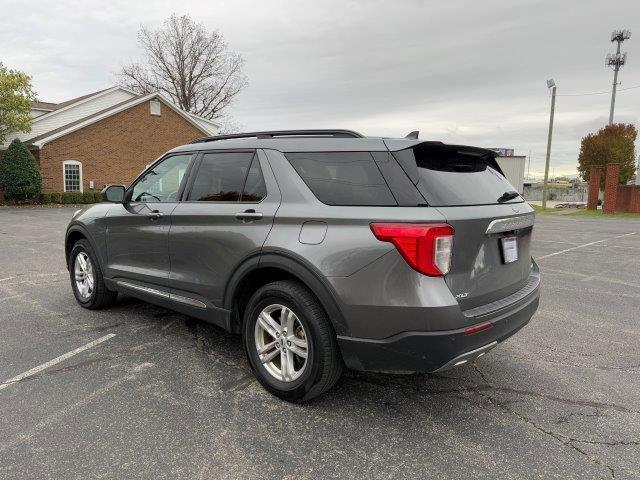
(54, 361)
(584, 245)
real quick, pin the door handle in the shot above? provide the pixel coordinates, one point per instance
(248, 215)
(155, 214)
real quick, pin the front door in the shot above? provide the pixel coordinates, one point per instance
(138, 230)
(225, 219)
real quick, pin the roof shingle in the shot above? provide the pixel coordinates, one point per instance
(56, 106)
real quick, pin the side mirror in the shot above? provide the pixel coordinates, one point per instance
(113, 193)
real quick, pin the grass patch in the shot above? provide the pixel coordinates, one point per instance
(539, 209)
(583, 212)
(599, 214)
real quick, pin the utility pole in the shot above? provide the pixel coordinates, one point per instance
(529, 166)
(615, 61)
(552, 85)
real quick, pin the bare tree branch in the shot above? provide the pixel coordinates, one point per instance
(195, 68)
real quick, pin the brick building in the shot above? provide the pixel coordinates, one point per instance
(105, 137)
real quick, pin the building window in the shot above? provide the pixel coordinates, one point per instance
(72, 175)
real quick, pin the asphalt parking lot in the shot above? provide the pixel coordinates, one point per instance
(166, 396)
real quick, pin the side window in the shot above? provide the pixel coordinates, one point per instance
(343, 178)
(221, 177)
(254, 188)
(162, 183)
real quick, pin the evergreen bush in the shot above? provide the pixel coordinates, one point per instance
(20, 177)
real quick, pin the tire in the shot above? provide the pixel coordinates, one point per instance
(98, 296)
(323, 364)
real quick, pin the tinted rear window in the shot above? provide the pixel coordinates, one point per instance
(343, 178)
(448, 175)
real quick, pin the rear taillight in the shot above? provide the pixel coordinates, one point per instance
(426, 247)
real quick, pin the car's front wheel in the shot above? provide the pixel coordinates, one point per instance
(290, 342)
(86, 278)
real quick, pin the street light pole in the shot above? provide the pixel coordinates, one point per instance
(616, 60)
(552, 85)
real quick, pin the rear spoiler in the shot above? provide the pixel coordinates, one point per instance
(396, 146)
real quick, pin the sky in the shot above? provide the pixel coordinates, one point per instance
(460, 72)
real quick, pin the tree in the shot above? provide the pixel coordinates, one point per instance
(16, 95)
(19, 174)
(195, 68)
(611, 144)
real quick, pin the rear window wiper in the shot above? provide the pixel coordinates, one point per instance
(506, 196)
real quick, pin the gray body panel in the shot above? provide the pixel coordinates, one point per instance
(194, 259)
(207, 242)
(138, 244)
(478, 273)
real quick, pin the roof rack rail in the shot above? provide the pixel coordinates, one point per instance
(284, 133)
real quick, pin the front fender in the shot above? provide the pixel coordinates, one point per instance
(88, 223)
(70, 235)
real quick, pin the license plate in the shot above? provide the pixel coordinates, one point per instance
(509, 249)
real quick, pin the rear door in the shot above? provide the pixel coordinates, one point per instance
(491, 247)
(227, 215)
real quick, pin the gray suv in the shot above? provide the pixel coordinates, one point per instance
(322, 248)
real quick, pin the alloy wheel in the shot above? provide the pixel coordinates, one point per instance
(84, 276)
(281, 342)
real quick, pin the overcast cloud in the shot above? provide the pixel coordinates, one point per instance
(465, 72)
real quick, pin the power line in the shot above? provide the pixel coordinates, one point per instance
(594, 93)
(581, 94)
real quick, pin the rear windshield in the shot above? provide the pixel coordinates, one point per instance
(447, 175)
(343, 178)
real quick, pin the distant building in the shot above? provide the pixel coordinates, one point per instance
(513, 168)
(105, 137)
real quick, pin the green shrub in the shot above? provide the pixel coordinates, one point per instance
(88, 197)
(71, 197)
(19, 174)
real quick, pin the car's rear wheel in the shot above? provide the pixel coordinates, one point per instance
(290, 342)
(86, 278)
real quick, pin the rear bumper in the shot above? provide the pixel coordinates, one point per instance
(429, 351)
